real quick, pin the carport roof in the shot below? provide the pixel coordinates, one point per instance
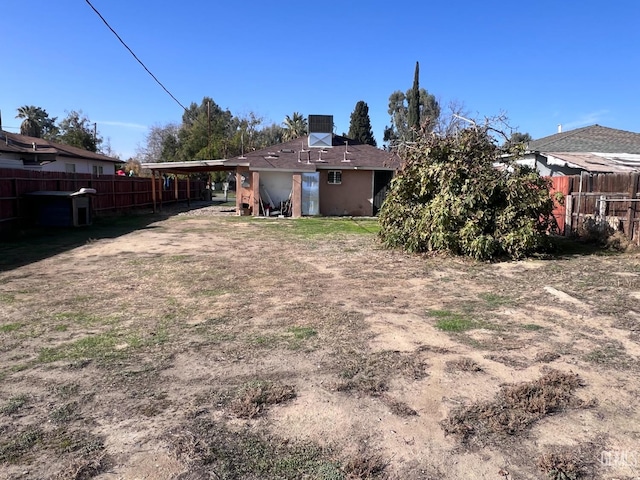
(194, 166)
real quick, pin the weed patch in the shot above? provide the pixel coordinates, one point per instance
(14, 404)
(18, 445)
(571, 463)
(370, 373)
(65, 413)
(10, 327)
(532, 327)
(463, 364)
(255, 397)
(214, 450)
(611, 354)
(7, 298)
(514, 409)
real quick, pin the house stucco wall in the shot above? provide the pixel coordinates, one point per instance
(354, 196)
(244, 191)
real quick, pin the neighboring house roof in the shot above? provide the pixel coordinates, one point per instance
(31, 146)
(297, 156)
(595, 162)
(594, 138)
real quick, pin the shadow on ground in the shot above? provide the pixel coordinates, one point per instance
(37, 243)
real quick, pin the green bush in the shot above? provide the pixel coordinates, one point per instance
(450, 196)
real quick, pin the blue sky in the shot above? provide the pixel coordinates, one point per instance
(543, 63)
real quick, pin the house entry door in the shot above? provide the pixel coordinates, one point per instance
(311, 193)
(381, 181)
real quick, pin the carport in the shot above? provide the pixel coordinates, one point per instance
(181, 168)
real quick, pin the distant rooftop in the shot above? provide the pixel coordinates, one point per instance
(594, 138)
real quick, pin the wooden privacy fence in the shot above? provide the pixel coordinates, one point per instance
(114, 193)
(608, 200)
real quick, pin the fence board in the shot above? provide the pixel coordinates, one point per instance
(620, 192)
(114, 193)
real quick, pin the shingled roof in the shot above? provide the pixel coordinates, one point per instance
(23, 144)
(296, 155)
(594, 138)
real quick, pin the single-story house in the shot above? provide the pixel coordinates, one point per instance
(593, 149)
(317, 174)
(32, 153)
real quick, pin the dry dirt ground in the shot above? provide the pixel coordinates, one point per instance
(201, 345)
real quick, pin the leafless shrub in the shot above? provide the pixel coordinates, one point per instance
(463, 364)
(255, 397)
(398, 407)
(364, 467)
(515, 408)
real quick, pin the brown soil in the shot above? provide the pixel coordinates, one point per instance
(211, 346)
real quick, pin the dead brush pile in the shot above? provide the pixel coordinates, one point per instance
(515, 408)
(255, 397)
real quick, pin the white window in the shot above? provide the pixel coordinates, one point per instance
(98, 170)
(334, 177)
(70, 167)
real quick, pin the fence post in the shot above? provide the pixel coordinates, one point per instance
(631, 213)
(568, 219)
(602, 212)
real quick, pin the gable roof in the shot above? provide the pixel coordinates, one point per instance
(297, 156)
(594, 138)
(30, 146)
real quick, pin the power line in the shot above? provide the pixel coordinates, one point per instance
(135, 56)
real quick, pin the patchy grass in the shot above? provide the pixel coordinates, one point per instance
(10, 327)
(100, 346)
(81, 318)
(14, 404)
(452, 322)
(13, 447)
(514, 409)
(65, 413)
(213, 447)
(7, 298)
(313, 227)
(611, 354)
(532, 327)
(494, 301)
(302, 333)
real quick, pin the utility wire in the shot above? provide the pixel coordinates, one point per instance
(135, 56)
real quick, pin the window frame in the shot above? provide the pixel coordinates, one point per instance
(334, 177)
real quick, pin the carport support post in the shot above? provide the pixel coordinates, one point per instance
(189, 190)
(175, 190)
(255, 185)
(160, 192)
(296, 196)
(153, 189)
(238, 193)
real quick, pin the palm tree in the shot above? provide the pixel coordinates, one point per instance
(294, 126)
(32, 115)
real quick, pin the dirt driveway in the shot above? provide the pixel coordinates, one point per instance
(205, 345)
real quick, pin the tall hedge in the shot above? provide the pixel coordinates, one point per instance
(460, 194)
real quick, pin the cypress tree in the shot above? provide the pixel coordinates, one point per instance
(414, 101)
(360, 125)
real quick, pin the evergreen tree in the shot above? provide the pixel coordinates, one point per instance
(360, 126)
(414, 101)
(76, 130)
(413, 111)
